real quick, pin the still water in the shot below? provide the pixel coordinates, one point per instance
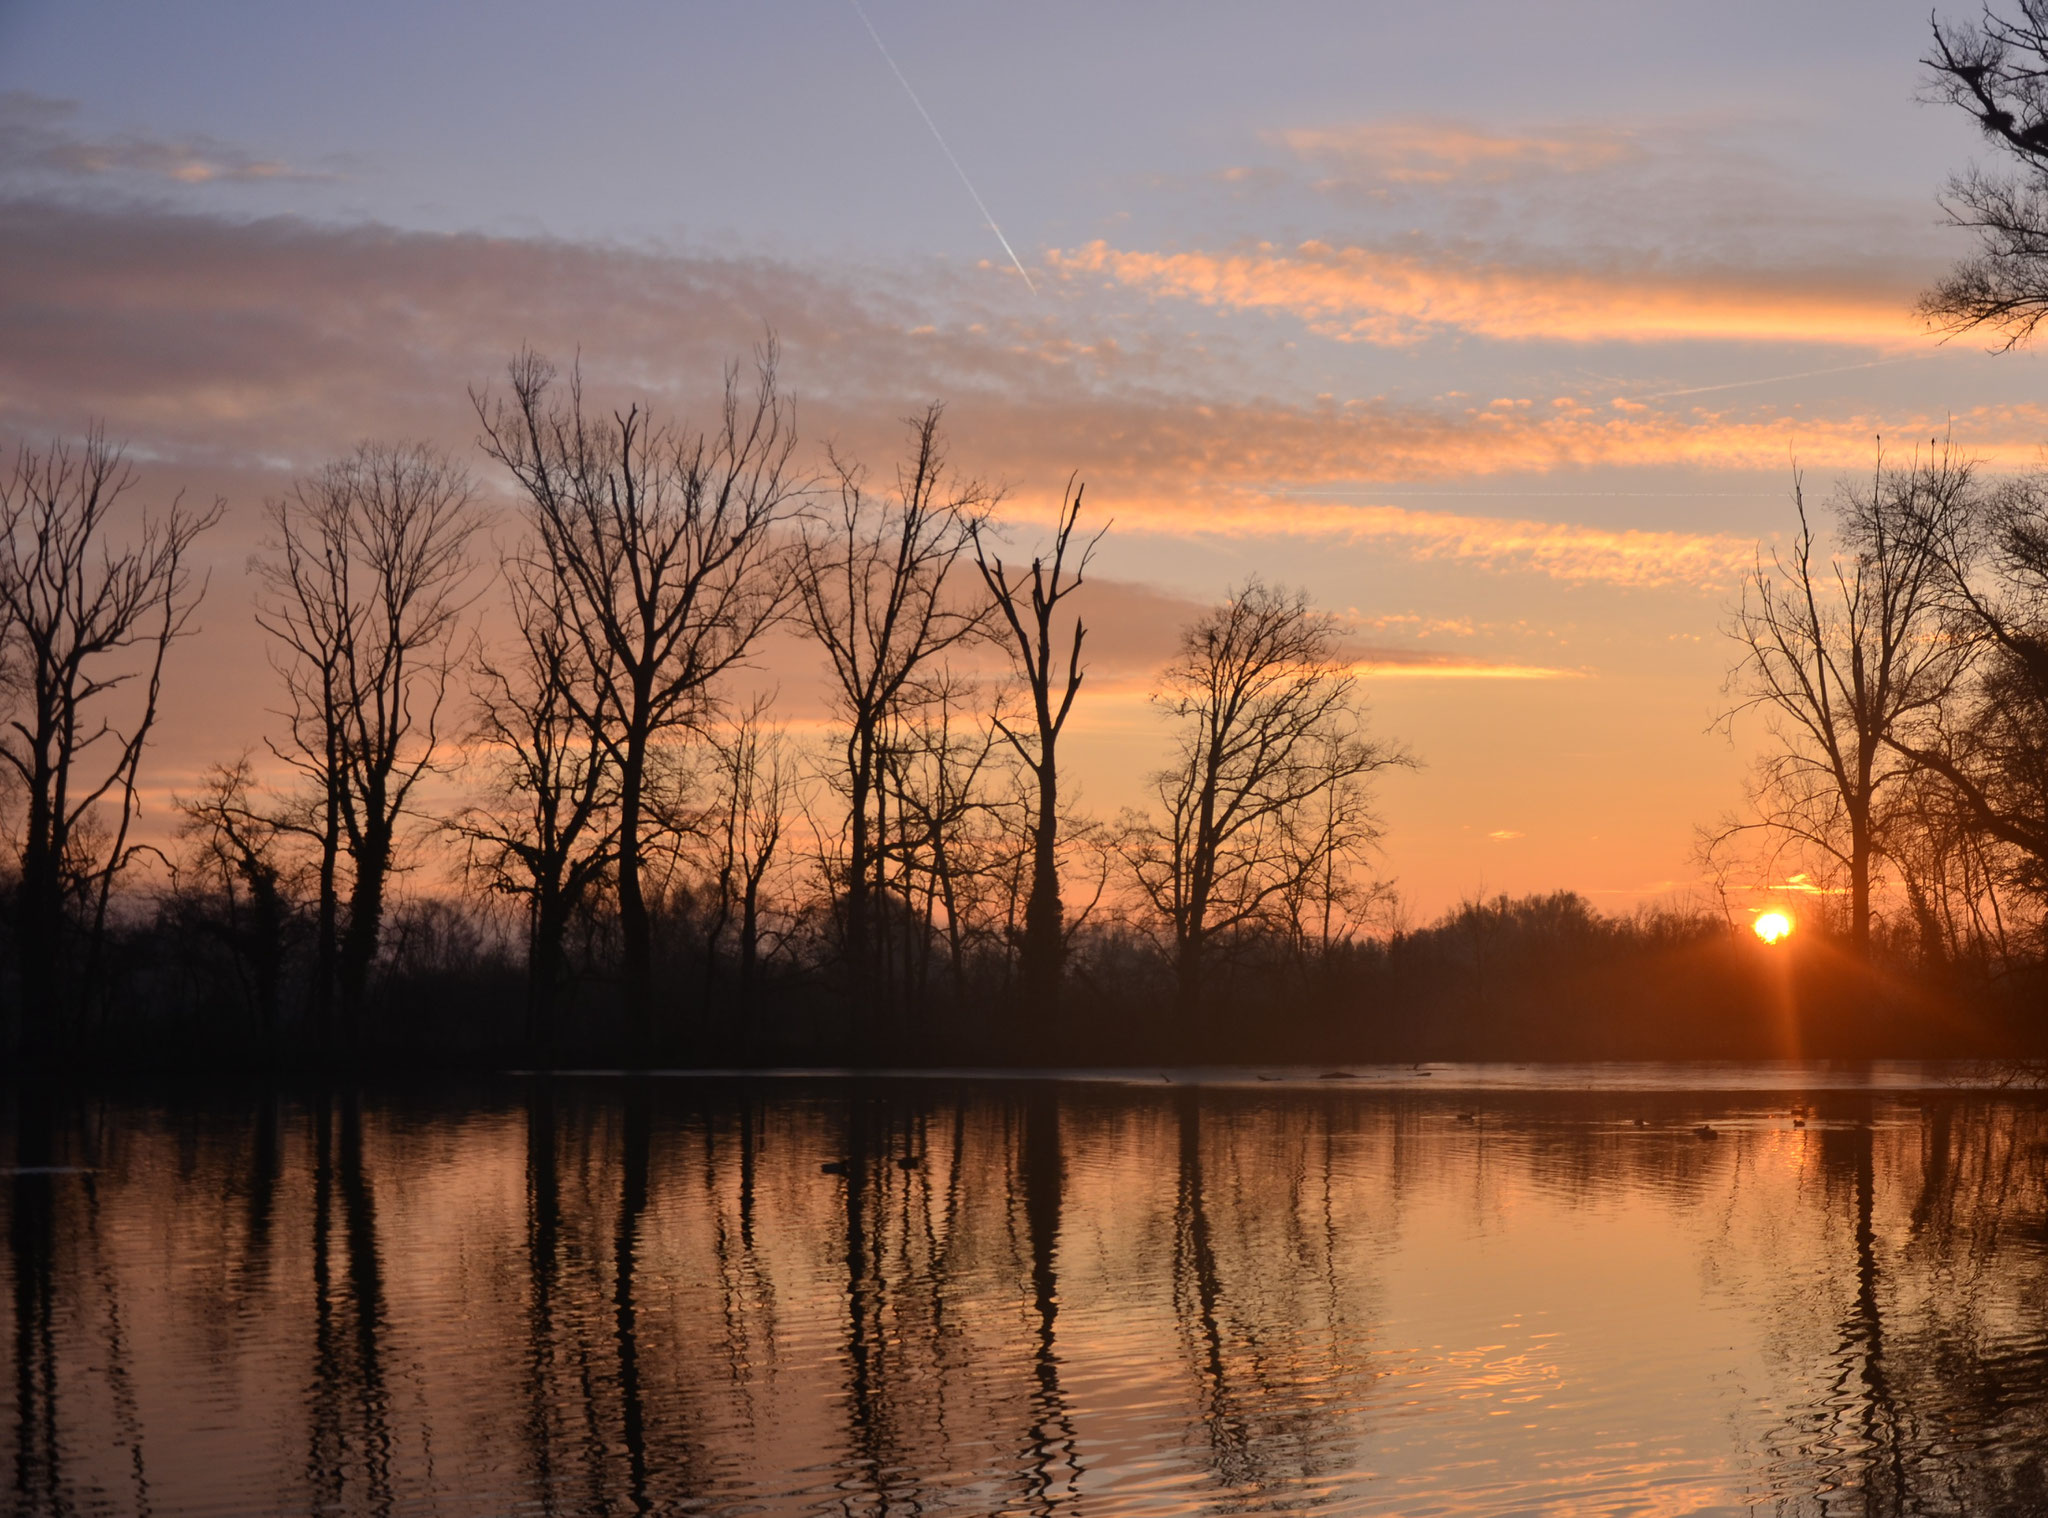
(1472, 1294)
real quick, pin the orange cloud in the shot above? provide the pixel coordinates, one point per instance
(1436, 152)
(1561, 550)
(1259, 466)
(1374, 295)
(1406, 664)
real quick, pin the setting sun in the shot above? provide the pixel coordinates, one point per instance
(1773, 927)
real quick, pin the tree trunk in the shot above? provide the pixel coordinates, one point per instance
(544, 974)
(1859, 884)
(1044, 951)
(39, 927)
(858, 929)
(750, 933)
(329, 925)
(636, 936)
(365, 923)
(1187, 969)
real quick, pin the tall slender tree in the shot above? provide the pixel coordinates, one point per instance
(1028, 604)
(1269, 721)
(664, 541)
(549, 831)
(873, 580)
(754, 781)
(365, 582)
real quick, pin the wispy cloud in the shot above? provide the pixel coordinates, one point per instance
(37, 137)
(1415, 664)
(1639, 558)
(1396, 296)
(1432, 152)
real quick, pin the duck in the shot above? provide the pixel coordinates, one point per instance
(1642, 1122)
(908, 1162)
(1798, 1121)
(1705, 1131)
(833, 1167)
(1468, 1117)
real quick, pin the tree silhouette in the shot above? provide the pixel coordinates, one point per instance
(1997, 70)
(1268, 721)
(82, 622)
(1840, 652)
(664, 543)
(872, 586)
(1028, 603)
(364, 587)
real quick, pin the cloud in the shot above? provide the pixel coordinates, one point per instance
(1394, 296)
(1430, 152)
(268, 345)
(1134, 629)
(1638, 558)
(1564, 551)
(1413, 664)
(36, 138)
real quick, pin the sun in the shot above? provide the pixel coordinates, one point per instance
(1773, 927)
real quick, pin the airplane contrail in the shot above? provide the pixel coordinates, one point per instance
(941, 141)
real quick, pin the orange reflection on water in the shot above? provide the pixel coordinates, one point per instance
(623, 1296)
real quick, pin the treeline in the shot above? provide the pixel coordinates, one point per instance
(647, 863)
(644, 864)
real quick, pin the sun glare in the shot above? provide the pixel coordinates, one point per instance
(1773, 927)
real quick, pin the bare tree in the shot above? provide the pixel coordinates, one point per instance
(936, 760)
(1989, 745)
(236, 885)
(872, 583)
(1841, 653)
(1327, 900)
(1269, 722)
(85, 626)
(753, 793)
(364, 584)
(550, 830)
(1997, 70)
(1028, 605)
(664, 541)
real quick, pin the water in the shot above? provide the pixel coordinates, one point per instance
(597, 1295)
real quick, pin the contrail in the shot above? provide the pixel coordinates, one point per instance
(1876, 363)
(978, 203)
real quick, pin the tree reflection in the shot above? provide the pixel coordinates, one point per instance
(645, 1296)
(1051, 1445)
(31, 1241)
(349, 1428)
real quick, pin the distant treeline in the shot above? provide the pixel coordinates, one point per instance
(642, 865)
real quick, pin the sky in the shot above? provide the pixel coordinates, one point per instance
(1501, 330)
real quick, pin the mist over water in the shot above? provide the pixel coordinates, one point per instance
(603, 1295)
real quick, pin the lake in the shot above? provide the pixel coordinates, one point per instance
(1479, 1290)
